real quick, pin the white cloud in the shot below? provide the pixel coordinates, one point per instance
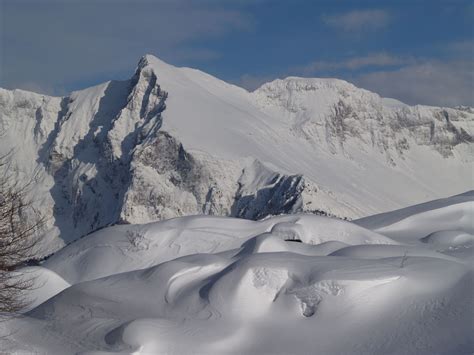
(358, 20)
(431, 83)
(371, 60)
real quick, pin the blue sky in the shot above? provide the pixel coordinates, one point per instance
(416, 51)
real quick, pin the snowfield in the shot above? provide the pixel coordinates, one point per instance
(394, 283)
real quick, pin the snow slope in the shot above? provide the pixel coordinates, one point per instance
(294, 284)
(439, 221)
(176, 141)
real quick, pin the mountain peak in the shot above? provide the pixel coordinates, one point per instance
(310, 82)
(313, 86)
(151, 60)
(155, 64)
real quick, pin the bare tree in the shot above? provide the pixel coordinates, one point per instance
(404, 259)
(19, 223)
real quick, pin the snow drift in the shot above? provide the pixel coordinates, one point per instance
(288, 284)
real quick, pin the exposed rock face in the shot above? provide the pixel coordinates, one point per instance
(263, 193)
(167, 181)
(133, 151)
(343, 112)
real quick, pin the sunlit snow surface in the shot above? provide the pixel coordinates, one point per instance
(395, 283)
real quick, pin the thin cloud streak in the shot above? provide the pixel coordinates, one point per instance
(430, 83)
(358, 20)
(354, 63)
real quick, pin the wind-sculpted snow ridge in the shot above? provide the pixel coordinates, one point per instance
(294, 284)
(175, 141)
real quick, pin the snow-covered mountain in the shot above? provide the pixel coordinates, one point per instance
(176, 141)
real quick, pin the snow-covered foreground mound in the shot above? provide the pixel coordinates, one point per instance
(288, 284)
